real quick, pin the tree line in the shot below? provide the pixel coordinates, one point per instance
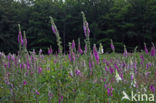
(126, 22)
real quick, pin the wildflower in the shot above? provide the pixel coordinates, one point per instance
(37, 93)
(101, 49)
(86, 29)
(145, 48)
(152, 88)
(25, 40)
(71, 73)
(110, 91)
(40, 52)
(69, 55)
(153, 51)
(85, 49)
(133, 81)
(112, 46)
(20, 39)
(60, 99)
(77, 71)
(106, 69)
(118, 78)
(73, 56)
(111, 69)
(21, 66)
(53, 29)
(73, 44)
(24, 82)
(96, 55)
(39, 70)
(80, 50)
(50, 51)
(115, 65)
(142, 58)
(125, 51)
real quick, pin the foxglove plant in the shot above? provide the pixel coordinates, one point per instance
(117, 76)
(86, 32)
(145, 48)
(73, 45)
(96, 55)
(125, 51)
(56, 32)
(20, 39)
(80, 50)
(101, 49)
(50, 51)
(153, 50)
(112, 46)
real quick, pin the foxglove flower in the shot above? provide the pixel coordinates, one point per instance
(24, 82)
(60, 99)
(96, 55)
(73, 44)
(53, 29)
(118, 78)
(85, 49)
(73, 56)
(125, 51)
(86, 29)
(70, 57)
(20, 39)
(37, 93)
(39, 70)
(111, 70)
(50, 51)
(110, 91)
(101, 51)
(152, 88)
(112, 46)
(133, 81)
(77, 71)
(145, 48)
(80, 50)
(153, 51)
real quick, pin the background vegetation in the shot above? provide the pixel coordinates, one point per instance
(129, 22)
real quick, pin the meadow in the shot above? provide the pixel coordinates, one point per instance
(86, 75)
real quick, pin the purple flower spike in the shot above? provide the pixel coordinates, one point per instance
(112, 46)
(20, 39)
(111, 69)
(60, 99)
(37, 93)
(24, 82)
(152, 88)
(77, 71)
(153, 51)
(96, 55)
(145, 48)
(39, 70)
(85, 49)
(73, 44)
(50, 51)
(80, 50)
(53, 29)
(86, 29)
(110, 91)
